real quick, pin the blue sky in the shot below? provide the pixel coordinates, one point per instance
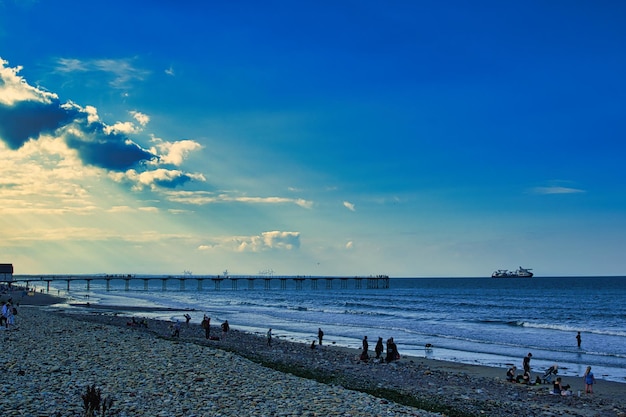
(318, 138)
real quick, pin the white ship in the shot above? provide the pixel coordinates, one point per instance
(519, 273)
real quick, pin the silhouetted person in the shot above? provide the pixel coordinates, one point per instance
(320, 335)
(526, 362)
(379, 348)
(578, 339)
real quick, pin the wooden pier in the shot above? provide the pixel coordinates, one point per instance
(232, 281)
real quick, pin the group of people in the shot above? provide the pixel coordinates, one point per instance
(8, 313)
(392, 348)
(206, 325)
(557, 386)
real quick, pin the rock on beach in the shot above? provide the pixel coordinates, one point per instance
(54, 354)
(49, 360)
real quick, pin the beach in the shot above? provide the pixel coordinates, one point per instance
(56, 352)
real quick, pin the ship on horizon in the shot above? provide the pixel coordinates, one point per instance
(519, 273)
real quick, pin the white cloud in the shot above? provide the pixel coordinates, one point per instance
(174, 152)
(349, 206)
(141, 118)
(121, 70)
(274, 240)
(151, 179)
(13, 88)
(557, 190)
(121, 127)
(207, 197)
(45, 176)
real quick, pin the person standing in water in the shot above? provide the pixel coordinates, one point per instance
(578, 339)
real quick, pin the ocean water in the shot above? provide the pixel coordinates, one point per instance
(485, 321)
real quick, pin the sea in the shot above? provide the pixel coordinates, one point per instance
(482, 321)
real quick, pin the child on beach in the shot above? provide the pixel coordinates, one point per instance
(560, 389)
(589, 380)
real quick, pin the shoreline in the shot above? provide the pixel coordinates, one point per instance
(438, 386)
(490, 369)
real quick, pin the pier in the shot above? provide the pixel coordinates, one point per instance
(188, 282)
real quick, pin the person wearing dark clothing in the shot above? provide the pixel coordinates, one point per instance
(187, 319)
(379, 348)
(320, 335)
(206, 325)
(269, 337)
(578, 339)
(559, 388)
(526, 362)
(225, 329)
(510, 374)
(392, 351)
(365, 344)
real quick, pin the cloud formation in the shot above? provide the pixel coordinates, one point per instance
(557, 190)
(206, 197)
(27, 113)
(274, 240)
(121, 71)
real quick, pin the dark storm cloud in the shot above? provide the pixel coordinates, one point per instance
(96, 146)
(28, 119)
(112, 152)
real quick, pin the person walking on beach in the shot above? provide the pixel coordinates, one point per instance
(225, 329)
(269, 337)
(578, 339)
(526, 362)
(320, 335)
(206, 325)
(187, 319)
(379, 348)
(366, 344)
(589, 380)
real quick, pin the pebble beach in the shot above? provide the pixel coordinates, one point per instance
(53, 354)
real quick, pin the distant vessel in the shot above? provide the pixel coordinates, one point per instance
(519, 273)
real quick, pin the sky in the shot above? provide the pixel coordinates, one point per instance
(406, 138)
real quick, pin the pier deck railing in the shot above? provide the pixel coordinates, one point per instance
(299, 282)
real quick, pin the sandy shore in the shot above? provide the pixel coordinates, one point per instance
(416, 383)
